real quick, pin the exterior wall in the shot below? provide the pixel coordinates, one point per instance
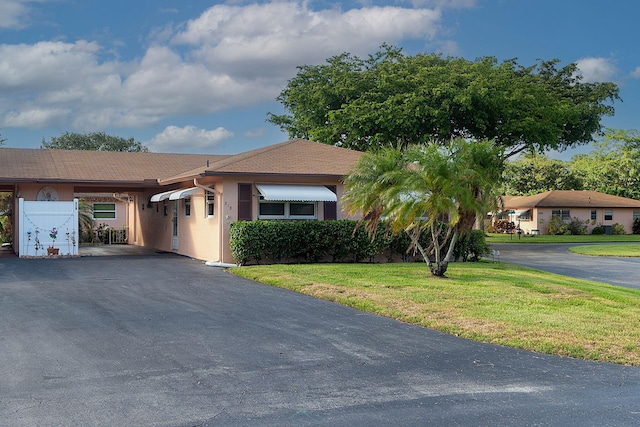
(29, 192)
(200, 236)
(542, 216)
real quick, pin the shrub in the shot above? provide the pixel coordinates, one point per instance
(598, 230)
(335, 241)
(618, 229)
(502, 226)
(575, 226)
(471, 247)
(635, 229)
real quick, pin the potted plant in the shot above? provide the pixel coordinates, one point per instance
(52, 250)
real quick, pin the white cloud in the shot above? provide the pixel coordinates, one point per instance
(636, 73)
(255, 133)
(188, 139)
(229, 57)
(596, 69)
(14, 13)
(271, 39)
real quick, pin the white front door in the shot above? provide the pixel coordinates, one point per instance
(174, 227)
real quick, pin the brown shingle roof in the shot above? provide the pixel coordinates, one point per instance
(17, 164)
(570, 199)
(295, 157)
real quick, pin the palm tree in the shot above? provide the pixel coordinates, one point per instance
(85, 217)
(435, 187)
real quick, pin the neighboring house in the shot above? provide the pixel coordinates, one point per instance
(110, 209)
(533, 213)
(181, 202)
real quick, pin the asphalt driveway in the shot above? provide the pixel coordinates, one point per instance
(557, 259)
(162, 340)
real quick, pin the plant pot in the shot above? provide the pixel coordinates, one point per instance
(53, 251)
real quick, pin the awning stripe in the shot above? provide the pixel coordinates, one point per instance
(161, 196)
(296, 193)
(181, 194)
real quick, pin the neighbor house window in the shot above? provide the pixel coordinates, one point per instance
(525, 216)
(594, 214)
(561, 213)
(636, 215)
(608, 214)
(211, 198)
(287, 210)
(187, 206)
(104, 211)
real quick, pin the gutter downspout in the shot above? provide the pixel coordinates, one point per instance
(220, 221)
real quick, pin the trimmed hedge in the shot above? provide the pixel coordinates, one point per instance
(330, 241)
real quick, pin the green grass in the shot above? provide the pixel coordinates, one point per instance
(629, 250)
(496, 303)
(547, 238)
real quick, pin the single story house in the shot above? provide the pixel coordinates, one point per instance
(533, 213)
(182, 203)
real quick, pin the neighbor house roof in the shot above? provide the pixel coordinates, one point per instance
(82, 166)
(295, 157)
(570, 199)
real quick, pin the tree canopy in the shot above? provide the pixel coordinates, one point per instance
(430, 187)
(391, 99)
(98, 141)
(536, 173)
(613, 167)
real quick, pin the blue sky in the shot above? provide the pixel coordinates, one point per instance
(200, 76)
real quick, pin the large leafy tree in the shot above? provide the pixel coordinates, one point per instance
(392, 99)
(428, 187)
(536, 173)
(613, 167)
(98, 141)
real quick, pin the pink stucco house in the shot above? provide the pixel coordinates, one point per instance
(182, 203)
(533, 213)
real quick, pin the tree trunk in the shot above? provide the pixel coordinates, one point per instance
(438, 269)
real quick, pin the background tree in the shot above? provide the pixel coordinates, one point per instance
(613, 167)
(536, 173)
(432, 187)
(98, 141)
(390, 99)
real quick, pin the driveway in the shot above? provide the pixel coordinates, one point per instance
(162, 340)
(557, 259)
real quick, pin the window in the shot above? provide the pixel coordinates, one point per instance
(594, 214)
(636, 215)
(286, 210)
(211, 198)
(525, 216)
(608, 214)
(561, 213)
(104, 211)
(187, 206)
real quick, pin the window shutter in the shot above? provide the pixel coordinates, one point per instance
(244, 201)
(331, 208)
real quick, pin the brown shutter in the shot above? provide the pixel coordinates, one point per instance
(331, 208)
(245, 207)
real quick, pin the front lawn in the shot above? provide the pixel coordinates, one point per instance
(629, 250)
(496, 303)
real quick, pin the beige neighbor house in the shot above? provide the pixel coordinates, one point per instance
(533, 213)
(181, 203)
